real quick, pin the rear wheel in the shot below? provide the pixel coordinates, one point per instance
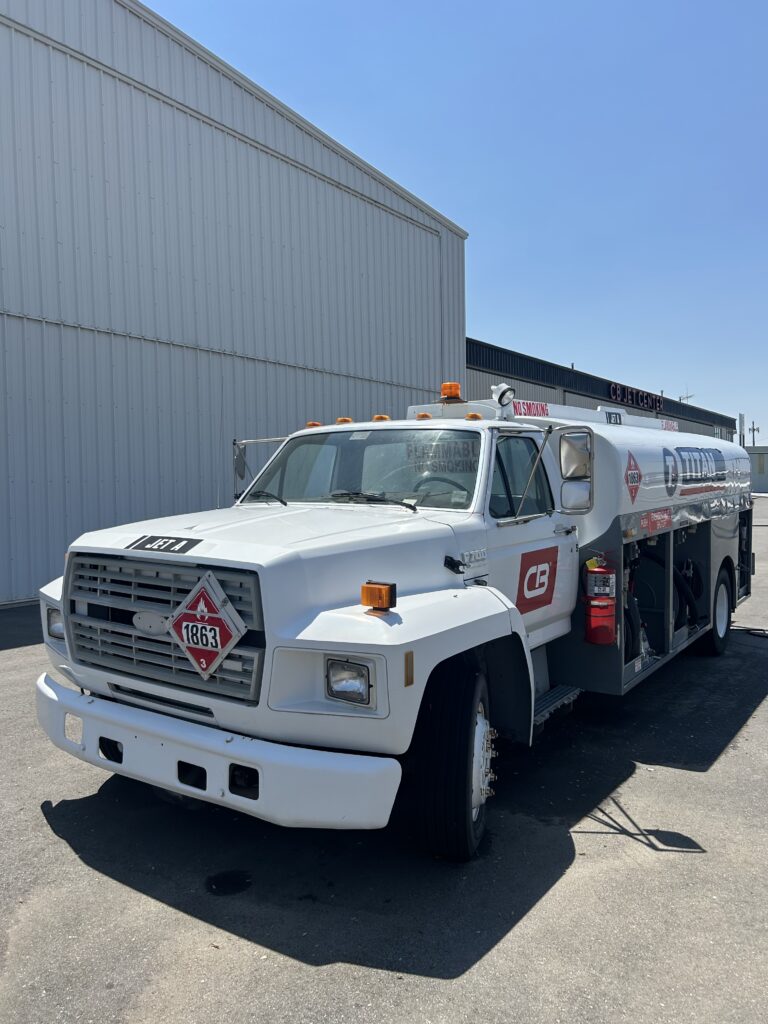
(716, 639)
(456, 749)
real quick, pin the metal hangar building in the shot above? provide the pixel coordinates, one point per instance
(184, 260)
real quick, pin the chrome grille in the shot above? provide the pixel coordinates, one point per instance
(104, 592)
(136, 584)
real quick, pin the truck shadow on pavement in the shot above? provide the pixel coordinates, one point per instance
(372, 898)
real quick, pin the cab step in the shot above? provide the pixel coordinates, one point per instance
(553, 699)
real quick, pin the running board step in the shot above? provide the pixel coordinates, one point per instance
(553, 699)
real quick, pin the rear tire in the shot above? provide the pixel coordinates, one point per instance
(716, 640)
(455, 751)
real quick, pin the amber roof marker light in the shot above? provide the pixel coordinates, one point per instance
(344, 419)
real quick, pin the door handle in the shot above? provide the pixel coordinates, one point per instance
(563, 531)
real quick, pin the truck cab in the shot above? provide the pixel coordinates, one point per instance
(381, 601)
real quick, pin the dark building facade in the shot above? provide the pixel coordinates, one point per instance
(536, 379)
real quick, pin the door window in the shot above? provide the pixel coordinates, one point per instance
(515, 457)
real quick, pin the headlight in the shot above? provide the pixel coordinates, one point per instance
(55, 624)
(348, 681)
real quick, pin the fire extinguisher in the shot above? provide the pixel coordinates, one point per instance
(600, 603)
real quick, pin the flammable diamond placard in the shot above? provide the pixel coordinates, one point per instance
(206, 626)
(633, 477)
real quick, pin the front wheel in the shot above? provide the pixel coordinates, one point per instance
(456, 750)
(717, 638)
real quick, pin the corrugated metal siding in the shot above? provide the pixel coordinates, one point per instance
(479, 384)
(146, 204)
(182, 261)
(694, 427)
(758, 457)
(99, 429)
(130, 40)
(583, 401)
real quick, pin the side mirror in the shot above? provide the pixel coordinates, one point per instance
(576, 455)
(576, 496)
(240, 466)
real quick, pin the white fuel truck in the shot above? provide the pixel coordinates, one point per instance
(385, 598)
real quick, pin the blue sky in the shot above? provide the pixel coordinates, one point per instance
(609, 160)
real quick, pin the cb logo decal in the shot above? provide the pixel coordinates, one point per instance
(536, 580)
(538, 574)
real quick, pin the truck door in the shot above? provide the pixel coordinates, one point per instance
(532, 549)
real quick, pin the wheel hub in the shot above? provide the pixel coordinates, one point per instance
(482, 754)
(721, 611)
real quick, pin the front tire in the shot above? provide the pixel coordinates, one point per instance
(456, 748)
(717, 638)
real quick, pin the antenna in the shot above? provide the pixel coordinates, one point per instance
(684, 398)
(753, 430)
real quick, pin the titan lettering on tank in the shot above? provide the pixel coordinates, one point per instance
(671, 474)
(538, 573)
(701, 470)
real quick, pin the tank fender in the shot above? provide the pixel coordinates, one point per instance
(730, 568)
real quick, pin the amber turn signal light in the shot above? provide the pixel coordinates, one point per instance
(378, 596)
(450, 389)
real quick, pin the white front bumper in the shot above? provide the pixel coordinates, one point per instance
(298, 786)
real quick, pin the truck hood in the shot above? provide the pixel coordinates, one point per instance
(262, 533)
(308, 557)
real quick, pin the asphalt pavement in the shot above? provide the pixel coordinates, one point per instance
(624, 877)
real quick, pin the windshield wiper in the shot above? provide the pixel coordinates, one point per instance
(267, 494)
(379, 499)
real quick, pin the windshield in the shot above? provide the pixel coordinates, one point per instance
(426, 468)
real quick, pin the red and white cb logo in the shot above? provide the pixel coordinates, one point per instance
(538, 574)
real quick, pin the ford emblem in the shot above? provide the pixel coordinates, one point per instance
(150, 623)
